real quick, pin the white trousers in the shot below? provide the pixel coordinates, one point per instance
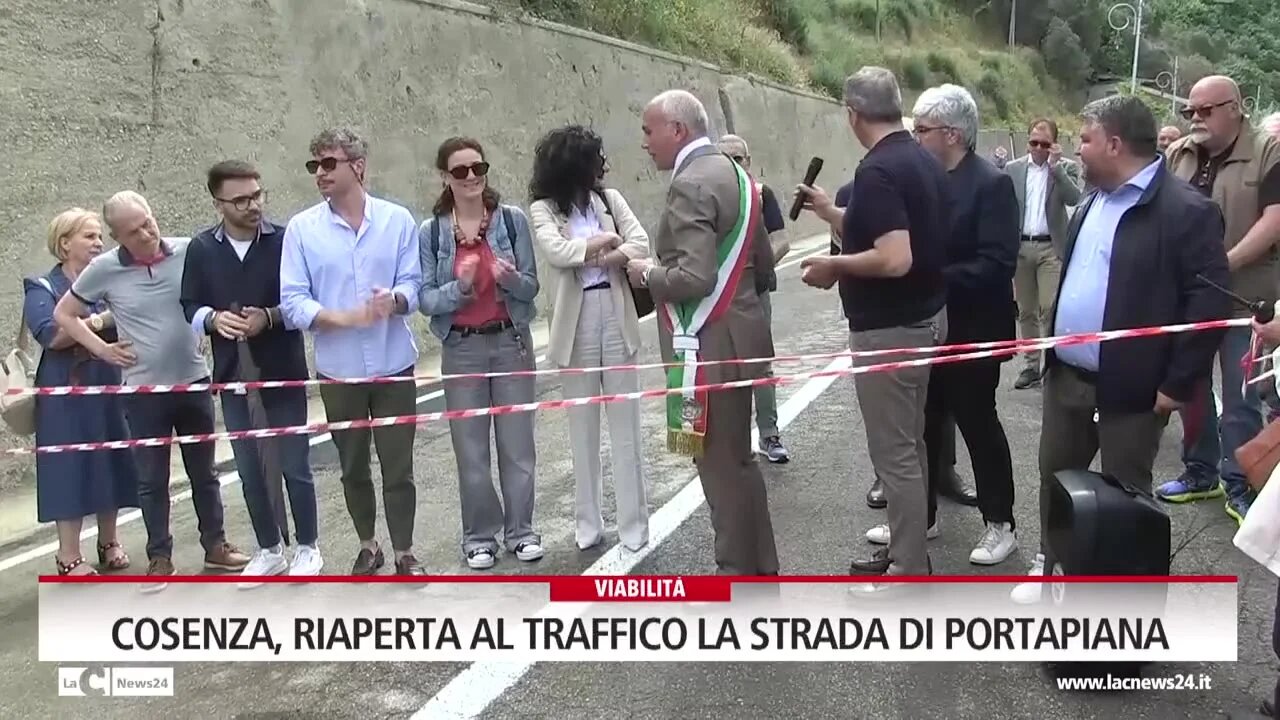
(599, 342)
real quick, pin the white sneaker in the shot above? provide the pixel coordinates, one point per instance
(306, 561)
(995, 546)
(480, 559)
(529, 551)
(879, 534)
(1030, 593)
(265, 562)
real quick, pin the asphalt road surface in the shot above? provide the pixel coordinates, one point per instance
(819, 517)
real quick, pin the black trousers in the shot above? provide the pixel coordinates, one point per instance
(967, 392)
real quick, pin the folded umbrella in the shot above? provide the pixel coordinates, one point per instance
(268, 452)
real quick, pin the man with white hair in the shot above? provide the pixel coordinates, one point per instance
(892, 281)
(141, 281)
(982, 254)
(1237, 167)
(766, 396)
(712, 254)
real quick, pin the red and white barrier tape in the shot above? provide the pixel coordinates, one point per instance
(1058, 340)
(1081, 339)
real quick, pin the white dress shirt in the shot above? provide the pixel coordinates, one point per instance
(703, 141)
(585, 227)
(1034, 219)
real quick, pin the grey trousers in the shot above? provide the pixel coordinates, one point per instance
(599, 342)
(892, 405)
(483, 516)
(766, 396)
(1069, 439)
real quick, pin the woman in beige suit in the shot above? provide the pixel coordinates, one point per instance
(587, 234)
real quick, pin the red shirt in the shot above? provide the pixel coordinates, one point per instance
(487, 305)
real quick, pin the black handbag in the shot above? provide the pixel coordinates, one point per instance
(641, 296)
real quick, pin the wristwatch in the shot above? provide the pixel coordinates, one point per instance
(644, 277)
(95, 322)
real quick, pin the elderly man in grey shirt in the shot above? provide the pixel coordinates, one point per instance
(141, 281)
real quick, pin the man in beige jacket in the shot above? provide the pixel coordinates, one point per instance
(709, 310)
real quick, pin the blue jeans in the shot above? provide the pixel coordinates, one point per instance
(1211, 453)
(285, 407)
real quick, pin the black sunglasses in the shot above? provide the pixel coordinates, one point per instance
(1040, 144)
(1204, 111)
(460, 172)
(328, 164)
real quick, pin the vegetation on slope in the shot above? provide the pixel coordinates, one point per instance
(817, 43)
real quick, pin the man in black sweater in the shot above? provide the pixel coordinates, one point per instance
(1135, 255)
(982, 253)
(231, 292)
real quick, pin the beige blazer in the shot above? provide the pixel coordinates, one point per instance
(702, 208)
(565, 256)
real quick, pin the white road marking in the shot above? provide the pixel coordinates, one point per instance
(470, 692)
(233, 477)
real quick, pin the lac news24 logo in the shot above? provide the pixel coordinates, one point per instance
(115, 682)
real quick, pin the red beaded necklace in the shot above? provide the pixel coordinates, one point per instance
(462, 238)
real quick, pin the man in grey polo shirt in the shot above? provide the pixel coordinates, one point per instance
(141, 281)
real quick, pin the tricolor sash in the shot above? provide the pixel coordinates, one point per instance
(687, 411)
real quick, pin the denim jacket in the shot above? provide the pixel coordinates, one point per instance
(441, 296)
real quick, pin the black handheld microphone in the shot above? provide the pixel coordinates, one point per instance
(1263, 311)
(815, 166)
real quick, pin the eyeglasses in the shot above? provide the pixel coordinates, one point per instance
(328, 164)
(1204, 111)
(1040, 144)
(462, 171)
(739, 158)
(243, 202)
(919, 130)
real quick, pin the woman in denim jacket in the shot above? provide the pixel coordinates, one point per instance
(479, 281)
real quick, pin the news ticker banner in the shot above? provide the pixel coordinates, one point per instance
(634, 619)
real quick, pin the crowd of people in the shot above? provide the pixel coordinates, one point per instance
(932, 244)
(351, 270)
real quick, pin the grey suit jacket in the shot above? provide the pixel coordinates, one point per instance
(1064, 192)
(701, 209)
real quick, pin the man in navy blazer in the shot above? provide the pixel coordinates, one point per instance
(982, 252)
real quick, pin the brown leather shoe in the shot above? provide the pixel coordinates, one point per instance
(409, 565)
(158, 568)
(225, 557)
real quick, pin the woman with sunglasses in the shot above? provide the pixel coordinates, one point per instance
(587, 234)
(479, 284)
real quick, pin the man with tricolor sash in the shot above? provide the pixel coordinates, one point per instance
(712, 250)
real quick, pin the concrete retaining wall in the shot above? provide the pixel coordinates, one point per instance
(147, 94)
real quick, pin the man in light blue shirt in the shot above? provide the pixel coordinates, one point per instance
(350, 274)
(1137, 255)
(1083, 297)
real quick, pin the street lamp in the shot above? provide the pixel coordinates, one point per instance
(1134, 16)
(1168, 81)
(1250, 104)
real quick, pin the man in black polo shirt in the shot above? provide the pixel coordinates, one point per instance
(237, 262)
(894, 293)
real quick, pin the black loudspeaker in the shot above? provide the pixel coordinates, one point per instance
(1097, 525)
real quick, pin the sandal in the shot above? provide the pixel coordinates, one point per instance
(119, 562)
(69, 568)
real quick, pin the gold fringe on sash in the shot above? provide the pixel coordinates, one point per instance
(685, 442)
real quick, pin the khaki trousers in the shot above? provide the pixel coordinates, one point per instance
(1035, 286)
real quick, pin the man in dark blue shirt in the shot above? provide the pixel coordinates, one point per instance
(766, 396)
(891, 279)
(231, 292)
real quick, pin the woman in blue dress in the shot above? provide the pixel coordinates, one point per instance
(71, 485)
